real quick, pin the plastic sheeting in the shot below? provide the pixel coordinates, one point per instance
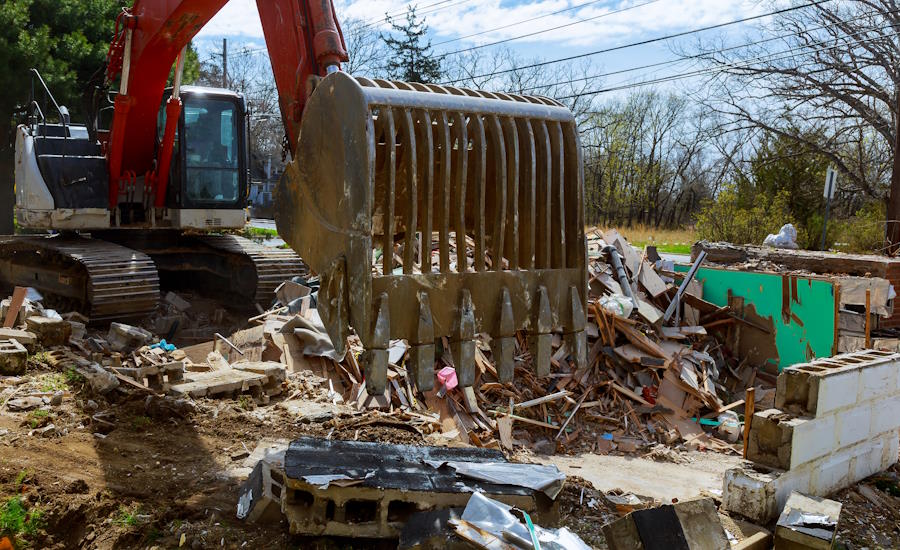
(547, 479)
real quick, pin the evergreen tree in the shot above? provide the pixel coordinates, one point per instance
(411, 59)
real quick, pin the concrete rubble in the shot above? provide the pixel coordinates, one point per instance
(665, 378)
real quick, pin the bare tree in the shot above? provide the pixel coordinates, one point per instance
(828, 76)
(365, 48)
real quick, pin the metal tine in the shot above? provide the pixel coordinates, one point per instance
(544, 178)
(511, 134)
(463, 347)
(425, 148)
(498, 144)
(575, 199)
(527, 175)
(422, 350)
(461, 168)
(503, 342)
(557, 197)
(444, 192)
(408, 140)
(479, 175)
(390, 140)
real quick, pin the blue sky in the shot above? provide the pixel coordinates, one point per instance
(454, 20)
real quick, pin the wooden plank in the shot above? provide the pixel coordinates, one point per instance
(629, 353)
(544, 399)
(640, 340)
(15, 304)
(652, 282)
(628, 393)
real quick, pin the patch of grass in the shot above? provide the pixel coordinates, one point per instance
(259, 233)
(16, 520)
(37, 360)
(20, 479)
(38, 418)
(245, 402)
(671, 241)
(53, 381)
(73, 377)
(141, 423)
(127, 516)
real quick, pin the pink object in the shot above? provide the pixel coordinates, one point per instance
(447, 377)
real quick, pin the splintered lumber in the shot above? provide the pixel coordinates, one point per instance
(544, 399)
(640, 340)
(628, 393)
(526, 420)
(15, 304)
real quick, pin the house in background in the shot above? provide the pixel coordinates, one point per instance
(264, 175)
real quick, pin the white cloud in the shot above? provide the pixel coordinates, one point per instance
(455, 18)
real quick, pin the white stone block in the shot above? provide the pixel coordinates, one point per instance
(891, 450)
(837, 391)
(830, 473)
(760, 495)
(813, 438)
(867, 459)
(877, 381)
(885, 416)
(853, 425)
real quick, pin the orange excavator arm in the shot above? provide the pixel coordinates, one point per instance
(303, 38)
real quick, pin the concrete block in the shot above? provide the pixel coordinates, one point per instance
(877, 381)
(759, 494)
(27, 339)
(867, 459)
(836, 391)
(50, 332)
(886, 416)
(853, 425)
(769, 442)
(794, 530)
(812, 438)
(831, 473)
(891, 450)
(688, 525)
(13, 357)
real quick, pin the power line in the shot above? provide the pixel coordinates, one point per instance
(557, 12)
(741, 64)
(647, 41)
(556, 28)
(701, 55)
(427, 12)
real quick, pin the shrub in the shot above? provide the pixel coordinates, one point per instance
(726, 218)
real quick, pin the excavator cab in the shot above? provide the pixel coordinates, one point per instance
(210, 159)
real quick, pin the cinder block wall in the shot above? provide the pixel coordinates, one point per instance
(836, 421)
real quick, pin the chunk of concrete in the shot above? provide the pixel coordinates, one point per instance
(177, 301)
(27, 339)
(807, 523)
(50, 331)
(124, 337)
(13, 357)
(688, 525)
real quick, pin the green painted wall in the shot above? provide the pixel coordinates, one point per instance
(813, 305)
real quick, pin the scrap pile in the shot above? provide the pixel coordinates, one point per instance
(651, 377)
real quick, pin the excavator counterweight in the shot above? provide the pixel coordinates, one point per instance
(433, 211)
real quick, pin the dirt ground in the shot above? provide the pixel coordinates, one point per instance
(97, 474)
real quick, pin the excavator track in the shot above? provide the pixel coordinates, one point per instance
(100, 279)
(273, 265)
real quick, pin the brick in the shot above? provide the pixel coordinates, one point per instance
(13, 357)
(877, 381)
(886, 416)
(891, 450)
(853, 425)
(812, 439)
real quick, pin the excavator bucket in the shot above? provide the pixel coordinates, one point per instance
(433, 211)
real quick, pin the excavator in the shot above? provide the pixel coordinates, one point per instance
(430, 213)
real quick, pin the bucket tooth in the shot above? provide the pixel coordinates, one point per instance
(576, 339)
(540, 339)
(463, 346)
(421, 353)
(376, 354)
(503, 345)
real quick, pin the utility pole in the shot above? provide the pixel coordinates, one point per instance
(225, 63)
